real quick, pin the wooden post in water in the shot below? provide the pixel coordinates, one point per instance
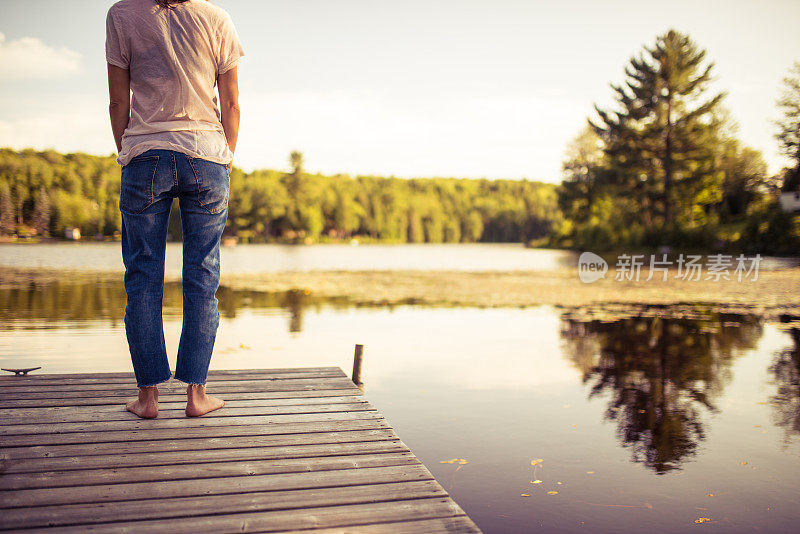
(357, 365)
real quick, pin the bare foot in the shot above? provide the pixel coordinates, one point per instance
(146, 406)
(199, 402)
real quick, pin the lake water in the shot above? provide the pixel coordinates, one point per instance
(245, 259)
(271, 258)
(638, 417)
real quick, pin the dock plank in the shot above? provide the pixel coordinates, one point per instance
(190, 432)
(197, 470)
(112, 461)
(174, 386)
(71, 514)
(293, 450)
(166, 489)
(281, 520)
(216, 420)
(121, 414)
(49, 402)
(164, 406)
(61, 450)
(457, 524)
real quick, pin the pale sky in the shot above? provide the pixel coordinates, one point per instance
(490, 88)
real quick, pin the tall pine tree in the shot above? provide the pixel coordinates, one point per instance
(659, 144)
(304, 215)
(41, 213)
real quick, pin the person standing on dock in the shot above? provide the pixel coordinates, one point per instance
(172, 141)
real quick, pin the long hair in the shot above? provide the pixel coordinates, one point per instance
(169, 4)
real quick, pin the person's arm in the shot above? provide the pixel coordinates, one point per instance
(119, 107)
(228, 86)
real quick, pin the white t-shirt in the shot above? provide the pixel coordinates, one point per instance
(174, 57)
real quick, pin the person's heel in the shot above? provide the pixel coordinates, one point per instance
(199, 403)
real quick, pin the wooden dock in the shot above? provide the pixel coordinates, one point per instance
(291, 450)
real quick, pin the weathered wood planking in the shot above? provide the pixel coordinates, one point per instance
(292, 450)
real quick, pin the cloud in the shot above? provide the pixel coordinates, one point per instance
(28, 58)
(76, 123)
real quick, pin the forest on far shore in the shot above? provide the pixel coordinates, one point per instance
(43, 193)
(663, 168)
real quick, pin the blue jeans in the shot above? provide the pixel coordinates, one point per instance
(149, 183)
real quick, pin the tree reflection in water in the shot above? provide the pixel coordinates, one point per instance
(785, 370)
(82, 301)
(663, 367)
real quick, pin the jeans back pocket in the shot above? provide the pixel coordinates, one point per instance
(136, 184)
(213, 184)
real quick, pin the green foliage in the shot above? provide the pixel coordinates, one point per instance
(41, 212)
(271, 206)
(659, 144)
(6, 210)
(51, 191)
(744, 179)
(771, 230)
(667, 169)
(789, 125)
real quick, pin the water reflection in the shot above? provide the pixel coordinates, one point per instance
(785, 370)
(46, 304)
(662, 373)
(42, 304)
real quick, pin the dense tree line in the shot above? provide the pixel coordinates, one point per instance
(665, 167)
(43, 193)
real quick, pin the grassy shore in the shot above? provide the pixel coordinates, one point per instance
(773, 291)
